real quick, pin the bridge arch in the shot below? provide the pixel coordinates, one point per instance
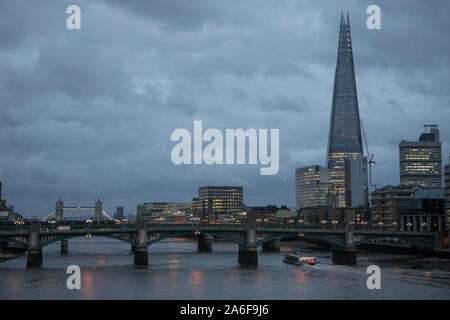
(277, 237)
(327, 239)
(12, 241)
(416, 241)
(191, 233)
(66, 237)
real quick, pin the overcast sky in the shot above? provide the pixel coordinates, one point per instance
(89, 113)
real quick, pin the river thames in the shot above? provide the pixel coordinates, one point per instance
(177, 271)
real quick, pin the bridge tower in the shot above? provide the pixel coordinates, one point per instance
(34, 255)
(98, 210)
(346, 255)
(248, 253)
(140, 249)
(59, 209)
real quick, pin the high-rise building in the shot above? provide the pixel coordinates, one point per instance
(312, 187)
(213, 201)
(447, 196)
(119, 213)
(357, 194)
(4, 212)
(344, 139)
(420, 161)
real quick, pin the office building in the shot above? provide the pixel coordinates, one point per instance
(4, 211)
(447, 196)
(356, 185)
(119, 213)
(265, 214)
(384, 205)
(407, 207)
(148, 209)
(313, 187)
(214, 201)
(420, 161)
(344, 139)
(424, 212)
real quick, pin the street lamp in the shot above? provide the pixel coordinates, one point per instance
(334, 222)
(364, 225)
(381, 224)
(424, 224)
(409, 224)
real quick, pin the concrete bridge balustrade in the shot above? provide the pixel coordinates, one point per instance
(247, 237)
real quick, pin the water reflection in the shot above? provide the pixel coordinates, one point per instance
(87, 284)
(300, 276)
(196, 282)
(174, 263)
(177, 271)
(15, 282)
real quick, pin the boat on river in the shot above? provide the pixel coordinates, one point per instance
(298, 260)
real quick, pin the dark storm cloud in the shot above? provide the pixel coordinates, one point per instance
(89, 113)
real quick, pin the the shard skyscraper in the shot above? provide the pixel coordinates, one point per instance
(344, 141)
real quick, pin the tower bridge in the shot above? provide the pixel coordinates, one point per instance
(59, 211)
(248, 237)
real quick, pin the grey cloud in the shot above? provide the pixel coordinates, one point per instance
(89, 113)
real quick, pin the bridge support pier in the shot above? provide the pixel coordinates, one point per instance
(3, 246)
(34, 258)
(347, 254)
(140, 250)
(439, 240)
(141, 256)
(248, 255)
(64, 247)
(344, 256)
(271, 246)
(34, 255)
(204, 244)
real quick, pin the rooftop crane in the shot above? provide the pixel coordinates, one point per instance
(369, 158)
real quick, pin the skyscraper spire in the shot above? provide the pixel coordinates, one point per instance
(344, 139)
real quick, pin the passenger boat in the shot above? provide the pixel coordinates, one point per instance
(297, 260)
(292, 258)
(310, 260)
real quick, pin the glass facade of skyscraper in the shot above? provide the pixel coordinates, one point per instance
(312, 187)
(345, 132)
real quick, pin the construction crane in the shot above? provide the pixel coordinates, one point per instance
(369, 158)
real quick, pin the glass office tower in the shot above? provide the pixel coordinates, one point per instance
(312, 187)
(344, 139)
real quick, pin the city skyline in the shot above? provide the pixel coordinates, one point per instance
(113, 119)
